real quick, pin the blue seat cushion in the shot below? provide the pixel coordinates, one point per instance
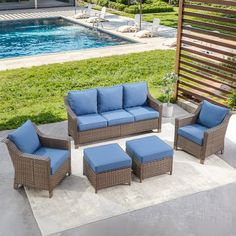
(83, 102)
(149, 149)
(25, 138)
(211, 115)
(118, 117)
(106, 158)
(110, 98)
(193, 132)
(57, 156)
(143, 113)
(92, 121)
(135, 94)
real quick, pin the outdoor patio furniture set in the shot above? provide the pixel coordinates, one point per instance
(104, 113)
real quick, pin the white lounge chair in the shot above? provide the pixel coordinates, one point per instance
(135, 24)
(149, 33)
(85, 13)
(99, 17)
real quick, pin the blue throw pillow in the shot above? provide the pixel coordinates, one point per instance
(83, 102)
(25, 138)
(211, 115)
(110, 98)
(135, 94)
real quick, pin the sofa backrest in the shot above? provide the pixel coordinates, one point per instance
(135, 94)
(83, 102)
(106, 99)
(110, 98)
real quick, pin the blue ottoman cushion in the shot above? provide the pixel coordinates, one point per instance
(106, 158)
(57, 156)
(148, 149)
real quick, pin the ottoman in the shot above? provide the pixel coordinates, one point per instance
(150, 156)
(106, 166)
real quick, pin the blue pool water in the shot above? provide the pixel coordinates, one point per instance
(40, 36)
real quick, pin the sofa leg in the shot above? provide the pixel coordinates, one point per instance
(222, 151)
(202, 161)
(50, 193)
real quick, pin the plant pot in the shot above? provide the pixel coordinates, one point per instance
(167, 110)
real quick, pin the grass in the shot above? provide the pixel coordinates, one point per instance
(37, 93)
(167, 18)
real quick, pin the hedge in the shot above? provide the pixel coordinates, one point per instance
(119, 5)
(116, 6)
(149, 8)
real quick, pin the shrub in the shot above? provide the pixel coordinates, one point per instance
(102, 2)
(149, 8)
(232, 100)
(122, 1)
(117, 6)
(98, 2)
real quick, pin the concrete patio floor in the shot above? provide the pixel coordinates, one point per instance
(209, 213)
(166, 37)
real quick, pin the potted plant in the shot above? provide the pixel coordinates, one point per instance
(167, 83)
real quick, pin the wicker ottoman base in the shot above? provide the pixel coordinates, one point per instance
(107, 179)
(153, 168)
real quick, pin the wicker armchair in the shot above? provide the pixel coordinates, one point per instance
(82, 137)
(35, 171)
(213, 140)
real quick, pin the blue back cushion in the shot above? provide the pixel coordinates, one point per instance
(135, 94)
(25, 138)
(83, 102)
(110, 98)
(211, 115)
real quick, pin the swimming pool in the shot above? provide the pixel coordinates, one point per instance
(51, 35)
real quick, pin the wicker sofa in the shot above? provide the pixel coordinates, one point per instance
(202, 133)
(39, 161)
(109, 112)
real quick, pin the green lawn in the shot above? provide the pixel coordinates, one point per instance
(37, 93)
(167, 18)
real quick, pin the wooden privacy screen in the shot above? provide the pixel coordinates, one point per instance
(206, 50)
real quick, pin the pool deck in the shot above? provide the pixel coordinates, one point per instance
(164, 40)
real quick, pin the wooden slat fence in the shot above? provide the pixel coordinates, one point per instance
(206, 50)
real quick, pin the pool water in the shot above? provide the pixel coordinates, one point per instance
(40, 36)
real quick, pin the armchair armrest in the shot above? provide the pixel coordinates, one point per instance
(40, 170)
(35, 158)
(186, 120)
(54, 142)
